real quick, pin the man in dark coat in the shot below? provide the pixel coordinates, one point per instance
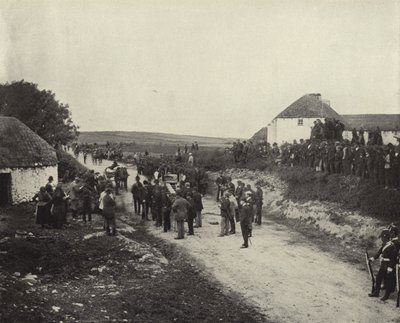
(191, 213)
(87, 193)
(388, 256)
(258, 203)
(246, 214)
(136, 195)
(166, 210)
(198, 206)
(157, 204)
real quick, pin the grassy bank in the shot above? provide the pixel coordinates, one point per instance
(304, 184)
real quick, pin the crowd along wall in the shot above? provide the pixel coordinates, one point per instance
(387, 136)
(26, 182)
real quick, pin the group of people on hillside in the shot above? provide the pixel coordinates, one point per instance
(238, 204)
(380, 164)
(366, 159)
(167, 209)
(242, 150)
(87, 195)
(180, 153)
(330, 129)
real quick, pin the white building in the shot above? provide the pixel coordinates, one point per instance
(389, 124)
(296, 121)
(26, 162)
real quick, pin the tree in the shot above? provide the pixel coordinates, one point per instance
(39, 110)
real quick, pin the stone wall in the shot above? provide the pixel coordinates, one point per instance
(26, 182)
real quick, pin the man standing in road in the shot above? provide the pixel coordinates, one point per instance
(246, 214)
(180, 208)
(224, 206)
(136, 195)
(388, 256)
(198, 206)
(109, 211)
(258, 202)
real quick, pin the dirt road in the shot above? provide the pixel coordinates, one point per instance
(281, 273)
(284, 275)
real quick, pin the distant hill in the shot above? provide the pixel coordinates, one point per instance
(260, 134)
(150, 138)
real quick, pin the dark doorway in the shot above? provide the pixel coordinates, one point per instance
(5, 189)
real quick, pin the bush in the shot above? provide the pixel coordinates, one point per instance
(68, 166)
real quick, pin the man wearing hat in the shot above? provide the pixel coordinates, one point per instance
(180, 208)
(388, 257)
(258, 199)
(74, 197)
(109, 211)
(246, 215)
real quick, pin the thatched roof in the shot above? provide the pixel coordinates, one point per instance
(21, 147)
(309, 106)
(386, 122)
(261, 134)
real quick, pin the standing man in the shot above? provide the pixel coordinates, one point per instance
(198, 206)
(136, 194)
(109, 211)
(233, 212)
(246, 214)
(258, 202)
(180, 208)
(224, 206)
(87, 193)
(157, 203)
(388, 256)
(166, 210)
(220, 181)
(191, 160)
(191, 213)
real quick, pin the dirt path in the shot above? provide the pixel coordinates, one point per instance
(285, 276)
(79, 274)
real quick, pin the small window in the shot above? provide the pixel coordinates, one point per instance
(300, 122)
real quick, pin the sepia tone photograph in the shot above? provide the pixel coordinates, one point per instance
(209, 161)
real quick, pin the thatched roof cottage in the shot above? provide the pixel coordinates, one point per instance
(296, 121)
(26, 162)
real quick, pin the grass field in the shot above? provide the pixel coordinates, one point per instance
(151, 138)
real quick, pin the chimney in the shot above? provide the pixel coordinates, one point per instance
(327, 102)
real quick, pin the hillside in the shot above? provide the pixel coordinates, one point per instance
(150, 138)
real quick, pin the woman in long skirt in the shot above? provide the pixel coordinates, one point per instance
(58, 207)
(42, 208)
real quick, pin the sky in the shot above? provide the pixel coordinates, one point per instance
(214, 68)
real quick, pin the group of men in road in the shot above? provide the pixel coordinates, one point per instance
(238, 204)
(167, 208)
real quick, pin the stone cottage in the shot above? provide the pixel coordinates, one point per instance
(26, 162)
(296, 121)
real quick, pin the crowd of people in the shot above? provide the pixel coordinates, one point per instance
(327, 151)
(168, 208)
(92, 193)
(378, 163)
(238, 204)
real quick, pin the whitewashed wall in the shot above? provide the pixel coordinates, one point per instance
(387, 136)
(287, 130)
(26, 182)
